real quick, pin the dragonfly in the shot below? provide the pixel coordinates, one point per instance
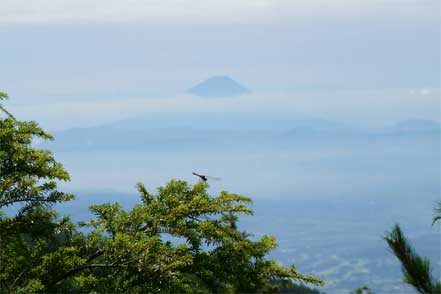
(205, 178)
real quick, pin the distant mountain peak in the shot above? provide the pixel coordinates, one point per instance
(219, 86)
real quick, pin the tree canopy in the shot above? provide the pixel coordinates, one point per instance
(179, 239)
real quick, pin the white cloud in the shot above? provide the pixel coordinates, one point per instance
(24, 11)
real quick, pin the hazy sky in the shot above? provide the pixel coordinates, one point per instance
(22, 11)
(329, 58)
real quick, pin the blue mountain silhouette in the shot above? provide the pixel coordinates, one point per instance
(219, 86)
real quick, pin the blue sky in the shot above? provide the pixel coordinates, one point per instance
(358, 61)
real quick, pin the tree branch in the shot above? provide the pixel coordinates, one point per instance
(75, 270)
(26, 200)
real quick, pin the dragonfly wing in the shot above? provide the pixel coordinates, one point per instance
(213, 178)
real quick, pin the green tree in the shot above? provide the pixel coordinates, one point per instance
(28, 176)
(183, 240)
(178, 240)
(31, 234)
(416, 269)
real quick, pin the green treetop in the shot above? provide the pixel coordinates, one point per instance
(183, 240)
(32, 233)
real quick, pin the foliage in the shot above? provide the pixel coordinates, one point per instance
(178, 240)
(4, 96)
(416, 269)
(32, 234)
(183, 240)
(38, 252)
(27, 175)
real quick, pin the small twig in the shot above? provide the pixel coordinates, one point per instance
(17, 278)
